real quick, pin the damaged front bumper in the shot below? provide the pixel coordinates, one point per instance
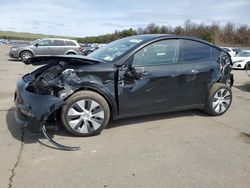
(32, 110)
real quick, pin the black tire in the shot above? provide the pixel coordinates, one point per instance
(210, 107)
(247, 66)
(25, 55)
(88, 96)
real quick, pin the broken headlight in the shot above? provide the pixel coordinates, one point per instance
(46, 83)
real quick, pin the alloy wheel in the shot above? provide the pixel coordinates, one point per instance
(26, 55)
(221, 100)
(85, 116)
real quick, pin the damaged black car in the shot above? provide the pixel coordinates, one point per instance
(133, 76)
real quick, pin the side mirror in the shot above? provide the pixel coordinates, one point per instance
(36, 45)
(131, 73)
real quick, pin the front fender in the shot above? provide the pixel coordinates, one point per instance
(105, 93)
(73, 83)
(26, 49)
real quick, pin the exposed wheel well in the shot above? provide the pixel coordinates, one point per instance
(71, 53)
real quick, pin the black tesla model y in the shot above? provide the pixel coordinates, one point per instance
(138, 75)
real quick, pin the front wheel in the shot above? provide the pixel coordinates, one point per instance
(25, 55)
(86, 113)
(219, 99)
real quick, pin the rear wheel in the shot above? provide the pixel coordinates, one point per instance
(247, 66)
(25, 55)
(219, 99)
(86, 113)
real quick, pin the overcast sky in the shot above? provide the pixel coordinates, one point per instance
(95, 17)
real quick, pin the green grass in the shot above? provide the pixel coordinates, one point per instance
(25, 35)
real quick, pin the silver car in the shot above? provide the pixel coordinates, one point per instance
(44, 47)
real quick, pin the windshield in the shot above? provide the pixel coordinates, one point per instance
(34, 42)
(116, 49)
(244, 54)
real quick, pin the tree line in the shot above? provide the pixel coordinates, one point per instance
(227, 35)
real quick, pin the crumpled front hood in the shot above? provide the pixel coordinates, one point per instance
(42, 60)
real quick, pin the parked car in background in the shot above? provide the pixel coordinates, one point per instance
(229, 50)
(4, 41)
(236, 50)
(19, 42)
(89, 48)
(101, 45)
(138, 75)
(242, 60)
(45, 47)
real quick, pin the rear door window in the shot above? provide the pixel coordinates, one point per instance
(58, 43)
(194, 51)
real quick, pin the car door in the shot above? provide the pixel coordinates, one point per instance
(200, 63)
(59, 47)
(43, 47)
(149, 83)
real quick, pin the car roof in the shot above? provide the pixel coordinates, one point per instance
(59, 39)
(149, 37)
